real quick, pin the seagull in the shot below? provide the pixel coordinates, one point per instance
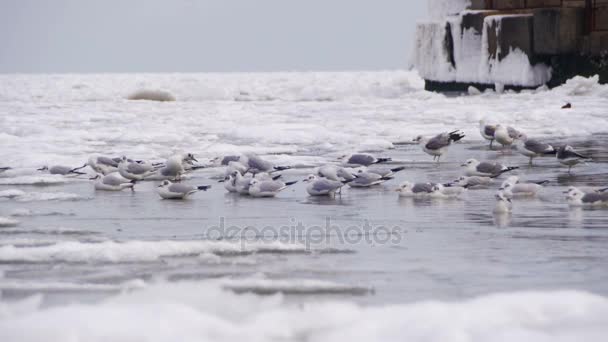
(241, 183)
(256, 164)
(366, 179)
(408, 189)
(168, 190)
(135, 171)
(267, 188)
(511, 187)
(532, 148)
(487, 131)
(61, 170)
(486, 169)
(318, 186)
(363, 159)
(503, 204)
(438, 145)
(578, 198)
(386, 172)
(472, 182)
(335, 173)
(6, 168)
(174, 167)
(103, 165)
(566, 155)
(505, 135)
(113, 182)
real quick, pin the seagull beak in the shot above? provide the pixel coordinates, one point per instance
(565, 192)
(501, 189)
(463, 165)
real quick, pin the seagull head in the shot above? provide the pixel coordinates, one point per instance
(310, 178)
(164, 184)
(471, 163)
(405, 187)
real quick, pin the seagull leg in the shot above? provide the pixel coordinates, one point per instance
(491, 142)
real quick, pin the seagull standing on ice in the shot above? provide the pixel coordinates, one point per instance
(335, 173)
(487, 131)
(168, 190)
(486, 169)
(533, 148)
(438, 145)
(433, 190)
(566, 155)
(318, 186)
(505, 135)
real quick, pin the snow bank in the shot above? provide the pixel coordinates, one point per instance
(439, 9)
(204, 312)
(583, 86)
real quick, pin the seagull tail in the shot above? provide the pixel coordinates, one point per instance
(456, 136)
(383, 160)
(282, 168)
(204, 187)
(290, 183)
(79, 168)
(277, 177)
(133, 181)
(543, 182)
(77, 172)
(603, 190)
(552, 152)
(397, 169)
(348, 181)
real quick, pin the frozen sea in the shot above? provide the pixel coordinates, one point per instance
(80, 265)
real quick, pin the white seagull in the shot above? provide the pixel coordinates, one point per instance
(113, 182)
(267, 188)
(503, 204)
(579, 198)
(168, 190)
(318, 186)
(363, 159)
(486, 169)
(505, 135)
(511, 187)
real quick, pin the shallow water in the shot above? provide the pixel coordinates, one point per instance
(367, 246)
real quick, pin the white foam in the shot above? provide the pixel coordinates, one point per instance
(203, 312)
(34, 180)
(133, 251)
(64, 286)
(22, 196)
(292, 286)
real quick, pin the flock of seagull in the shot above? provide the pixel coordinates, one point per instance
(250, 174)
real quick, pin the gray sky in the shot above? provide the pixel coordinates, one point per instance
(205, 35)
